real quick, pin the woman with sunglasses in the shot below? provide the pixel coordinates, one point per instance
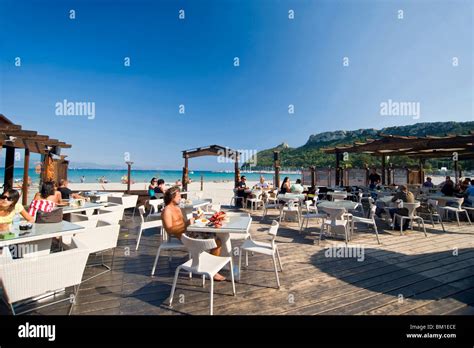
(151, 188)
(9, 207)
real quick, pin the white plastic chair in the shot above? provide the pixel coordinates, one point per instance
(167, 243)
(338, 220)
(433, 208)
(456, 209)
(290, 206)
(144, 225)
(236, 198)
(202, 263)
(214, 208)
(368, 221)
(155, 207)
(270, 205)
(411, 207)
(272, 197)
(264, 248)
(255, 201)
(128, 201)
(103, 236)
(311, 213)
(27, 278)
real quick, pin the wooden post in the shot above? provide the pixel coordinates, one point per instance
(236, 170)
(185, 173)
(389, 174)
(456, 171)
(313, 177)
(421, 174)
(384, 167)
(202, 182)
(367, 173)
(276, 164)
(129, 176)
(9, 167)
(338, 178)
(26, 167)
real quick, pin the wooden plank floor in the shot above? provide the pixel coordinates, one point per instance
(409, 274)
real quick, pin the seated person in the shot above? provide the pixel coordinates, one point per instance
(448, 187)
(160, 188)
(405, 196)
(151, 188)
(470, 189)
(262, 183)
(175, 224)
(428, 183)
(66, 192)
(374, 179)
(464, 185)
(241, 187)
(45, 200)
(9, 207)
(285, 186)
(297, 187)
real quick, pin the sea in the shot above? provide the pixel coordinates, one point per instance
(144, 176)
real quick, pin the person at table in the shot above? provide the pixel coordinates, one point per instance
(428, 183)
(66, 192)
(151, 188)
(160, 188)
(470, 189)
(45, 200)
(262, 183)
(297, 188)
(374, 179)
(448, 187)
(9, 207)
(241, 187)
(403, 195)
(464, 185)
(285, 186)
(175, 223)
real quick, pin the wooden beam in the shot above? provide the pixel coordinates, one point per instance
(26, 167)
(9, 167)
(185, 174)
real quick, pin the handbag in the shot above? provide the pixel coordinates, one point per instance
(54, 216)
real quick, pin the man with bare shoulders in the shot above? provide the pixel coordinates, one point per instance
(175, 223)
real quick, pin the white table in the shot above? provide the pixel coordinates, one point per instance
(442, 199)
(348, 205)
(292, 197)
(99, 196)
(87, 207)
(196, 204)
(238, 223)
(41, 232)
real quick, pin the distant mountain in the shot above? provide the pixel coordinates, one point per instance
(311, 154)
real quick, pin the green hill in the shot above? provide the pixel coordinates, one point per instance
(311, 154)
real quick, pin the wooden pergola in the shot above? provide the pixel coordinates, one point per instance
(459, 147)
(211, 150)
(12, 137)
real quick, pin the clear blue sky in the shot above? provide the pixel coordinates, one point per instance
(190, 62)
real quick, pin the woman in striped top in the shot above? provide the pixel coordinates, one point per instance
(45, 200)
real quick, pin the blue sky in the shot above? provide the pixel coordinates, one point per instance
(190, 62)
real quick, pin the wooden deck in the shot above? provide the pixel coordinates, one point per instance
(409, 274)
